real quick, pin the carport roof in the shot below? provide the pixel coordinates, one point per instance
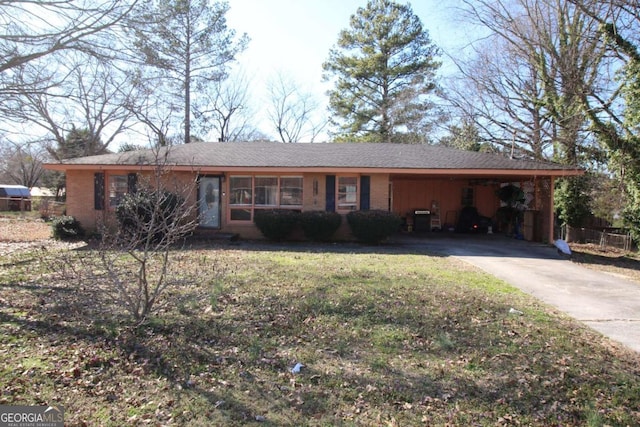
(357, 156)
(14, 191)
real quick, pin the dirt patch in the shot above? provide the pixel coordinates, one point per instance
(20, 235)
(23, 230)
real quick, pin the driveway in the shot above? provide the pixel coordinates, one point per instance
(605, 302)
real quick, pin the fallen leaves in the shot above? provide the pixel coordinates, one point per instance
(385, 339)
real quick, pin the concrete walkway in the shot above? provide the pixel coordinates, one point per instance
(605, 302)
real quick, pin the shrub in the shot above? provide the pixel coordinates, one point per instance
(148, 213)
(373, 226)
(276, 224)
(66, 228)
(319, 225)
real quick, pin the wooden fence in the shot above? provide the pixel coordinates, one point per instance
(16, 204)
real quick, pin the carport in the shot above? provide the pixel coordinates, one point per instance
(434, 202)
(15, 198)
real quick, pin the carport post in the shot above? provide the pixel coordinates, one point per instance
(550, 216)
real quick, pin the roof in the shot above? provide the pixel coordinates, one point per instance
(405, 157)
(14, 191)
(41, 192)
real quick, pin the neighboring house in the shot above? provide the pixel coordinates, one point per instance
(233, 180)
(42, 192)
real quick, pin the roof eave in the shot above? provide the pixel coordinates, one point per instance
(321, 169)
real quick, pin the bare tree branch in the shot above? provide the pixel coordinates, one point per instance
(37, 30)
(292, 112)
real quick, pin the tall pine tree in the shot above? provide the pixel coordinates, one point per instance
(383, 67)
(189, 44)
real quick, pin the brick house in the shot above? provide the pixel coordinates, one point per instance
(232, 180)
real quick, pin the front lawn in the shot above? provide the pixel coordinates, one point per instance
(386, 337)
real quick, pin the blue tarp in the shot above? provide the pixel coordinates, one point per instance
(14, 191)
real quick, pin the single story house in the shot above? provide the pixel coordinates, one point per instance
(230, 181)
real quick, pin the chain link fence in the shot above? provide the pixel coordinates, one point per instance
(605, 238)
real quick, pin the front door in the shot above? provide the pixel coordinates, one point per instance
(209, 201)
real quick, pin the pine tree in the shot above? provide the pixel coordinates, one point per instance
(189, 44)
(384, 67)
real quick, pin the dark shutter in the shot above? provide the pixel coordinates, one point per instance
(98, 191)
(330, 186)
(365, 193)
(132, 181)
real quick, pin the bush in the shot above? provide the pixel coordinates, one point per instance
(373, 226)
(276, 224)
(66, 228)
(148, 213)
(319, 225)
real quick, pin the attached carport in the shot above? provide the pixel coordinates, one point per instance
(443, 195)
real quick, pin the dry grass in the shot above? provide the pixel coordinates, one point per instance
(23, 229)
(614, 261)
(387, 337)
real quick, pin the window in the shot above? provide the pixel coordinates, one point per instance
(241, 195)
(240, 190)
(266, 191)
(247, 193)
(291, 191)
(118, 187)
(467, 197)
(347, 193)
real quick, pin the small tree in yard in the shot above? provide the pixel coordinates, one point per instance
(137, 261)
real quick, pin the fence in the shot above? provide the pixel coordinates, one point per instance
(604, 238)
(16, 204)
(50, 208)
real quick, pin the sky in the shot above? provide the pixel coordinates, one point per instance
(293, 38)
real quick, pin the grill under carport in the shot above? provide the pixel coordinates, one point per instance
(421, 220)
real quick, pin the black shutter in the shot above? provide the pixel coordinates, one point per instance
(330, 186)
(132, 181)
(365, 193)
(98, 191)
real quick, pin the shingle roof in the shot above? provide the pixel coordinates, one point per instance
(320, 155)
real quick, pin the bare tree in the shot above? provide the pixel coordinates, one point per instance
(293, 112)
(153, 113)
(137, 261)
(34, 32)
(551, 53)
(93, 96)
(224, 109)
(619, 22)
(21, 164)
(501, 93)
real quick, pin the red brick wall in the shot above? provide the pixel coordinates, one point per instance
(80, 203)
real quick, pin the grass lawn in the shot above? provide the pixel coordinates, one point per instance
(386, 337)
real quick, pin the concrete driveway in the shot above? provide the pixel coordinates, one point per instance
(605, 302)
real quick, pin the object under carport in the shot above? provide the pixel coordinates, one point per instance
(421, 220)
(471, 221)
